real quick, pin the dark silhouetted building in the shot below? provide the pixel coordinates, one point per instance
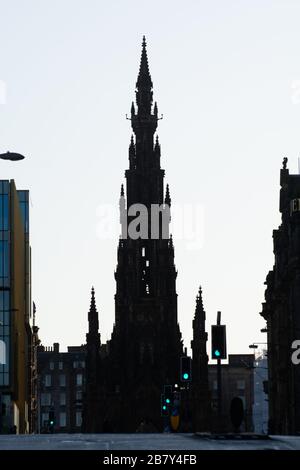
(124, 385)
(61, 388)
(237, 381)
(200, 397)
(281, 310)
(126, 376)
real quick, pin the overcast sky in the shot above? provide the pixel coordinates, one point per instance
(226, 78)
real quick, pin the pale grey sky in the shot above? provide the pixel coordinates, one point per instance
(226, 77)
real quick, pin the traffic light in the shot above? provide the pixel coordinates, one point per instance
(51, 417)
(164, 407)
(168, 393)
(218, 342)
(51, 420)
(185, 369)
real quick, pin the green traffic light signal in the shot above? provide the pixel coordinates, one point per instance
(168, 401)
(51, 423)
(164, 409)
(185, 369)
(218, 342)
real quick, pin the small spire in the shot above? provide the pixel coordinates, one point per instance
(171, 241)
(284, 163)
(93, 302)
(122, 190)
(132, 109)
(168, 198)
(155, 110)
(132, 153)
(93, 314)
(199, 303)
(131, 142)
(199, 299)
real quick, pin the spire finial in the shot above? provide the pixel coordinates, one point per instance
(199, 301)
(93, 302)
(122, 190)
(168, 198)
(144, 78)
(93, 318)
(144, 94)
(284, 163)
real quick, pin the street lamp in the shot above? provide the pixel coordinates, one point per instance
(12, 156)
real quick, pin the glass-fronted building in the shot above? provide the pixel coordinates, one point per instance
(16, 331)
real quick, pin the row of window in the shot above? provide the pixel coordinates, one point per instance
(76, 365)
(62, 380)
(4, 338)
(60, 365)
(62, 419)
(46, 398)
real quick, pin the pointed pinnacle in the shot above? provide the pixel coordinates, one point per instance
(284, 163)
(122, 190)
(144, 77)
(93, 301)
(93, 293)
(199, 300)
(156, 146)
(167, 198)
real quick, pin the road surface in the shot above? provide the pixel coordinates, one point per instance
(155, 442)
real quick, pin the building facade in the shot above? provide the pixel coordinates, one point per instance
(237, 381)
(260, 407)
(17, 336)
(281, 310)
(61, 385)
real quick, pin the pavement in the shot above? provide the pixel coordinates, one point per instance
(150, 442)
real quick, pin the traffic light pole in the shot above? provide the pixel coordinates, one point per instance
(219, 382)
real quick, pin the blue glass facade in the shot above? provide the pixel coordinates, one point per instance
(4, 338)
(24, 206)
(5, 319)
